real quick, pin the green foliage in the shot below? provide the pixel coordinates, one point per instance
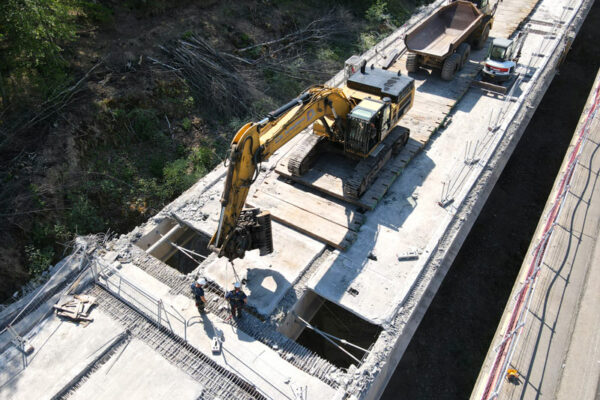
(281, 85)
(96, 12)
(48, 237)
(38, 260)
(188, 103)
(33, 35)
(186, 124)
(156, 164)
(382, 17)
(51, 81)
(182, 173)
(378, 13)
(326, 54)
(144, 123)
(83, 217)
(173, 98)
(178, 176)
(401, 12)
(259, 108)
(367, 40)
(32, 31)
(203, 159)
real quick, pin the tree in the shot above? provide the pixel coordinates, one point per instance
(32, 33)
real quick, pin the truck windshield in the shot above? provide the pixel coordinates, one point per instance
(497, 53)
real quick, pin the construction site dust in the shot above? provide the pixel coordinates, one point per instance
(447, 350)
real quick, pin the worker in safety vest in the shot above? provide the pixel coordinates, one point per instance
(198, 291)
(237, 299)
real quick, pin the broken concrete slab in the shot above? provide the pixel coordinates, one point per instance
(241, 353)
(268, 277)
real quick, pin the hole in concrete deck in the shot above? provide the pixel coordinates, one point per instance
(334, 320)
(177, 245)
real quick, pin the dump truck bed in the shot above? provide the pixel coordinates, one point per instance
(440, 34)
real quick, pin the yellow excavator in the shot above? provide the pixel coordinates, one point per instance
(358, 120)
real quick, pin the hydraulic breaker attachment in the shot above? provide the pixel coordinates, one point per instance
(253, 231)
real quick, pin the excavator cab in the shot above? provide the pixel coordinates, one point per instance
(369, 122)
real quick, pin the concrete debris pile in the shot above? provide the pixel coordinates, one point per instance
(76, 308)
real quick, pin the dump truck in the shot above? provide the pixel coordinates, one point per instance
(443, 41)
(358, 120)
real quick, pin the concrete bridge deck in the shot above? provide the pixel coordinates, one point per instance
(458, 167)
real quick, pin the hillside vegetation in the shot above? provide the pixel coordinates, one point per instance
(110, 109)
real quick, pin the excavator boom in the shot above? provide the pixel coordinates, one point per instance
(358, 120)
(240, 230)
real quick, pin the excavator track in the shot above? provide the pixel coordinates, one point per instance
(367, 169)
(305, 154)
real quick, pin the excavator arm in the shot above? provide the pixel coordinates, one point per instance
(240, 230)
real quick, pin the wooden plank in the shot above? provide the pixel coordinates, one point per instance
(319, 180)
(510, 15)
(431, 117)
(65, 312)
(429, 97)
(343, 214)
(303, 221)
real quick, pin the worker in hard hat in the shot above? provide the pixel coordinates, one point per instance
(198, 291)
(512, 375)
(237, 299)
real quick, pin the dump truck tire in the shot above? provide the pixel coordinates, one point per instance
(465, 52)
(412, 62)
(479, 43)
(451, 66)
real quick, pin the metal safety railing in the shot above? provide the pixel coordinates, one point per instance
(27, 317)
(149, 305)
